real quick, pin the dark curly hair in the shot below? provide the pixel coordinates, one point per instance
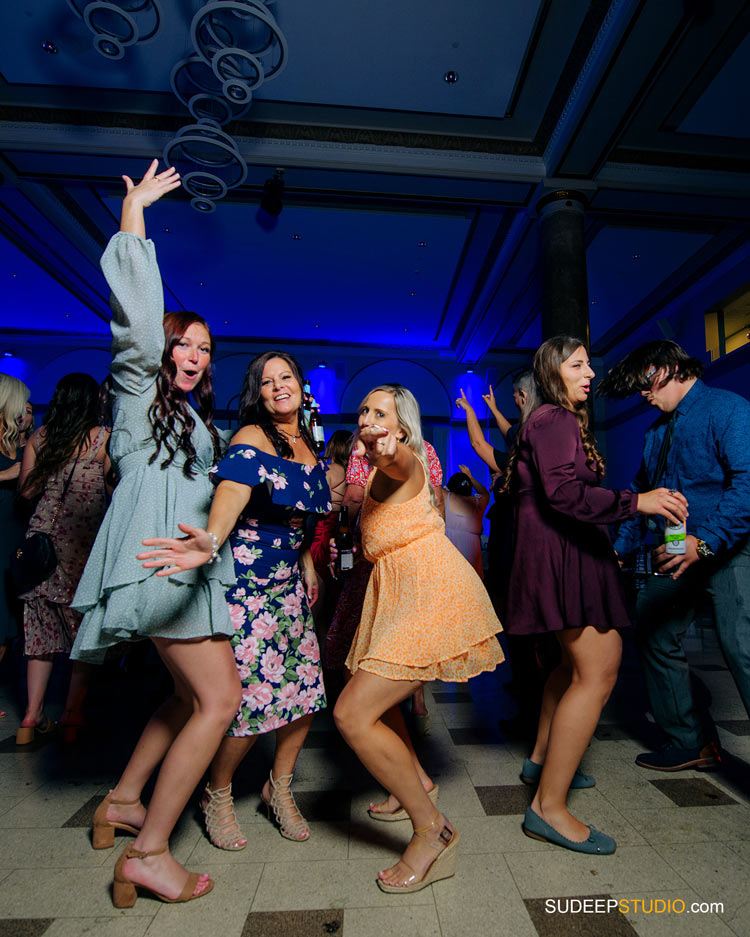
(73, 412)
(172, 423)
(252, 411)
(627, 377)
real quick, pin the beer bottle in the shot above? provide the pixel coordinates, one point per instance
(344, 544)
(316, 427)
(306, 400)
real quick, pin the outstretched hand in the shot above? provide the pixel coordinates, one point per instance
(375, 443)
(178, 554)
(152, 186)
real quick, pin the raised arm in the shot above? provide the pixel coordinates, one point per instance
(476, 437)
(503, 424)
(137, 300)
(483, 496)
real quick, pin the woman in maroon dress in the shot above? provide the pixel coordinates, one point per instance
(565, 579)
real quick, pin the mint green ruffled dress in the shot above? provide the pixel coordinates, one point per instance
(119, 599)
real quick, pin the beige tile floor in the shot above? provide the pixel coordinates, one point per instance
(53, 883)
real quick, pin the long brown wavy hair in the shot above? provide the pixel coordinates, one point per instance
(73, 412)
(551, 389)
(171, 421)
(547, 361)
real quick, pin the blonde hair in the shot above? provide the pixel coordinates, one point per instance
(13, 397)
(410, 420)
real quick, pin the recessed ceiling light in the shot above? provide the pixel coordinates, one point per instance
(296, 237)
(450, 78)
(14, 275)
(67, 315)
(636, 256)
(412, 293)
(226, 322)
(406, 330)
(317, 325)
(49, 46)
(322, 364)
(593, 302)
(166, 230)
(201, 283)
(8, 354)
(421, 243)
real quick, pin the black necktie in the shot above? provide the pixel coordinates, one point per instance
(666, 445)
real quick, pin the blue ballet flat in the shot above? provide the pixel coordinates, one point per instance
(598, 844)
(531, 772)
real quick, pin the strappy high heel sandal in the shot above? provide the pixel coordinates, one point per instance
(400, 813)
(124, 892)
(27, 734)
(103, 830)
(442, 866)
(285, 808)
(221, 823)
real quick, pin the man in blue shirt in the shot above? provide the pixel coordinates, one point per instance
(700, 445)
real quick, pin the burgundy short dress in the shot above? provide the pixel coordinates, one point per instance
(565, 572)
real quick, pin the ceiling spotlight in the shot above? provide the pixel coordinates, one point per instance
(167, 230)
(450, 78)
(322, 364)
(273, 189)
(296, 237)
(470, 370)
(421, 243)
(412, 292)
(636, 256)
(49, 46)
(8, 354)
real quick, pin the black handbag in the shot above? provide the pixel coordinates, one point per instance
(35, 559)
(33, 562)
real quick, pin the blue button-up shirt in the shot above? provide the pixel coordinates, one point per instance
(708, 461)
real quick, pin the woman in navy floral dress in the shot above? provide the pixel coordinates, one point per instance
(270, 479)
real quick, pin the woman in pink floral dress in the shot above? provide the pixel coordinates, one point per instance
(70, 446)
(270, 479)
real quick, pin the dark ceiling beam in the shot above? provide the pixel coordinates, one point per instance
(507, 276)
(702, 263)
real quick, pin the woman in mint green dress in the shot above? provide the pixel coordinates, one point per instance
(162, 449)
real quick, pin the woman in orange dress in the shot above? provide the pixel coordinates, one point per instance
(426, 617)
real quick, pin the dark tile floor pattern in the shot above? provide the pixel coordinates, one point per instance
(53, 883)
(574, 923)
(25, 927)
(293, 923)
(693, 792)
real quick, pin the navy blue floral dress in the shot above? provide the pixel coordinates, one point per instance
(274, 639)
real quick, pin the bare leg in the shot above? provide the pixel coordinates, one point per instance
(358, 715)
(289, 741)
(595, 660)
(556, 685)
(418, 706)
(38, 671)
(207, 668)
(394, 719)
(221, 823)
(79, 686)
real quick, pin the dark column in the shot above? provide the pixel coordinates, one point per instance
(565, 302)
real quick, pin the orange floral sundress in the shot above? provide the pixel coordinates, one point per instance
(427, 615)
